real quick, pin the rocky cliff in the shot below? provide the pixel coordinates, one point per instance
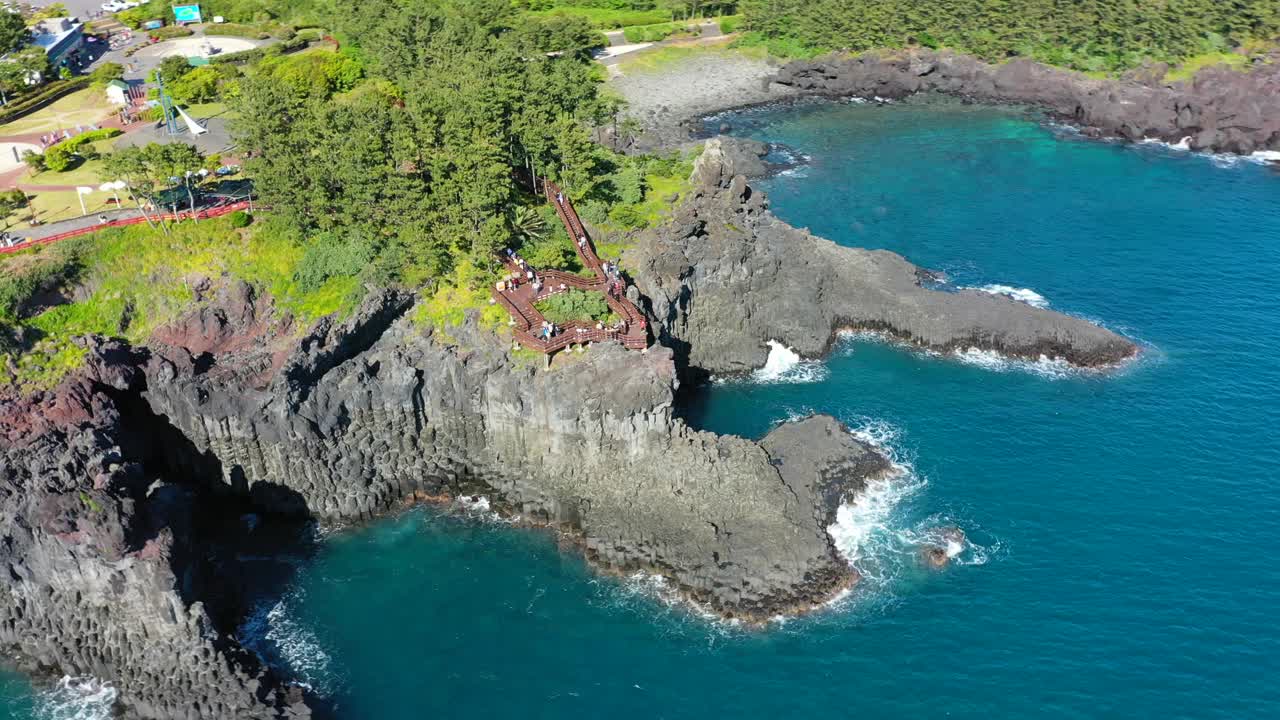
(1220, 109)
(230, 408)
(105, 560)
(726, 275)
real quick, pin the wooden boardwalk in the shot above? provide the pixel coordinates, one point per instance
(519, 301)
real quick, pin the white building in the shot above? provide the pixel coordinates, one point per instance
(60, 37)
(118, 92)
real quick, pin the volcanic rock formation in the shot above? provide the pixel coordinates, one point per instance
(1220, 109)
(726, 276)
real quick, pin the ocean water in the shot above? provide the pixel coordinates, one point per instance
(1120, 526)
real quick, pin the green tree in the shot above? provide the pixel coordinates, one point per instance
(198, 86)
(13, 32)
(105, 73)
(11, 201)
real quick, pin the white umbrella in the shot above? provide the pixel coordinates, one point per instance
(114, 188)
(80, 193)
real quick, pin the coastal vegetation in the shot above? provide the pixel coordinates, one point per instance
(405, 157)
(1091, 36)
(575, 306)
(128, 281)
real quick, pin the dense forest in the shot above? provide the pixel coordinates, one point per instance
(1086, 34)
(408, 144)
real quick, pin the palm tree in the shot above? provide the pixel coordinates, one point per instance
(528, 225)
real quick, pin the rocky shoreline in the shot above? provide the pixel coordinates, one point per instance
(117, 482)
(1220, 110)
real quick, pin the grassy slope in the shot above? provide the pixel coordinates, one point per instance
(137, 279)
(79, 108)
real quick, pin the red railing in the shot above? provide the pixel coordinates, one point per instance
(519, 300)
(199, 214)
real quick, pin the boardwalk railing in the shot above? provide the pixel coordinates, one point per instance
(199, 214)
(519, 301)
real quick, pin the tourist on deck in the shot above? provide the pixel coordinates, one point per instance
(560, 198)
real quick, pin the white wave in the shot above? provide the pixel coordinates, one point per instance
(1023, 295)
(875, 531)
(785, 365)
(799, 171)
(868, 530)
(272, 632)
(1183, 144)
(1051, 368)
(77, 698)
(1266, 156)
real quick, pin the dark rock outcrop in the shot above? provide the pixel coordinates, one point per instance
(100, 557)
(353, 419)
(726, 275)
(372, 412)
(1221, 109)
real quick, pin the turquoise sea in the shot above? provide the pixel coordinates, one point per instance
(1121, 526)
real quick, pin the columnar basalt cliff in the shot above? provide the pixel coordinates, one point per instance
(726, 275)
(103, 558)
(372, 412)
(1221, 109)
(354, 419)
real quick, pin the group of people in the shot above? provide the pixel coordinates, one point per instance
(524, 275)
(548, 330)
(58, 136)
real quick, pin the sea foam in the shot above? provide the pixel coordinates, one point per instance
(77, 698)
(272, 632)
(1024, 295)
(878, 533)
(785, 365)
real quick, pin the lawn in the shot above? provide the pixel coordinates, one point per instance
(53, 205)
(86, 173)
(79, 108)
(204, 111)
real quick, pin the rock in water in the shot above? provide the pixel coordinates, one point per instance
(725, 276)
(1221, 109)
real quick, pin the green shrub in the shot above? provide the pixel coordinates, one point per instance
(134, 17)
(730, 23)
(575, 306)
(627, 216)
(170, 32)
(594, 212)
(238, 30)
(311, 34)
(328, 256)
(58, 157)
(554, 251)
(43, 96)
(105, 73)
(657, 32)
(240, 219)
(61, 156)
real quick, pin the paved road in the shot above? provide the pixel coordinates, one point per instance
(82, 9)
